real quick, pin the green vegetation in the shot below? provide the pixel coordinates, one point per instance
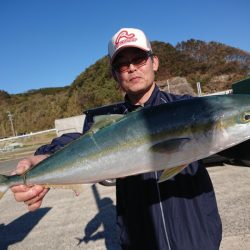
(213, 64)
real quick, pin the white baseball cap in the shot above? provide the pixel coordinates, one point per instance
(127, 37)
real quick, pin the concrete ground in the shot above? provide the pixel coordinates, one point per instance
(88, 221)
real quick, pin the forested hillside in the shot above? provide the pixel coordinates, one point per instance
(216, 66)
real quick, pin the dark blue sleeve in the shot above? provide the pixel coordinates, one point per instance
(57, 143)
(64, 139)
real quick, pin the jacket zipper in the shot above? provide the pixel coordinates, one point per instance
(162, 213)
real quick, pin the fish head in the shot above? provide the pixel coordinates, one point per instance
(233, 119)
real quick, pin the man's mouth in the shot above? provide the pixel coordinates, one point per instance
(135, 78)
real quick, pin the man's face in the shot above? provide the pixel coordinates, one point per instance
(134, 70)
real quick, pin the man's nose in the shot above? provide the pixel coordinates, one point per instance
(131, 67)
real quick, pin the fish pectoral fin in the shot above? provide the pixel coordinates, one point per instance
(171, 172)
(77, 188)
(169, 145)
(102, 121)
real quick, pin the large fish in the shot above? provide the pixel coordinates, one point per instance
(168, 136)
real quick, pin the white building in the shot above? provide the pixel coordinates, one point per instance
(69, 125)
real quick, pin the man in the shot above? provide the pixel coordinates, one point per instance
(180, 213)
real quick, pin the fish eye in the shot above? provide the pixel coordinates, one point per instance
(245, 118)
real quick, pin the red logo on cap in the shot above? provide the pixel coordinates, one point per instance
(124, 37)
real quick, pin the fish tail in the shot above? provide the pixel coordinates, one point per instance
(3, 185)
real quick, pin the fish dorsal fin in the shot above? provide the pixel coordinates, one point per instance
(169, 145)
(171, 172)
(102, 121)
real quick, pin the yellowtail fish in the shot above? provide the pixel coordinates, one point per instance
(165, 137)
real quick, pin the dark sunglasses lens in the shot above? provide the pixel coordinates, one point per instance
(139, 59)
(136, 61)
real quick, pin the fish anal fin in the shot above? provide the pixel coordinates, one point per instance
(77, 188)
(171, 172)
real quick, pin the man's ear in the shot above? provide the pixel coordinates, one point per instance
(118, 86)
(155, 63)
(114, 75)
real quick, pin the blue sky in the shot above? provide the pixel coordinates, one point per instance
(48, 43)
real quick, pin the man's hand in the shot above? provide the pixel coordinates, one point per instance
(32, 196)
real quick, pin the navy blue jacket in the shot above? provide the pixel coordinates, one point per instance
(178, 214)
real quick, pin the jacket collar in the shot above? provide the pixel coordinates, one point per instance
(153, 98)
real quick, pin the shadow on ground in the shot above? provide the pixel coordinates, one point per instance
(105, 218)
(18, 229)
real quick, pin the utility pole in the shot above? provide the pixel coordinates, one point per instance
(11, 122)
(168, 86)
(199, 88)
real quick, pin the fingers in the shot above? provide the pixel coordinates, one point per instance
(36, 201)
(25, 193)
(32, 196)
(36, 198)
(35, 206)
(37, 158)
(19, 188)
(24, 164)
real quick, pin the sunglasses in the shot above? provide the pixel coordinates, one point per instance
(138, 61)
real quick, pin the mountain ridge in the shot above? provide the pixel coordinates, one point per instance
(215, 65)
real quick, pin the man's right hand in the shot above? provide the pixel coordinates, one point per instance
(33, 195)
